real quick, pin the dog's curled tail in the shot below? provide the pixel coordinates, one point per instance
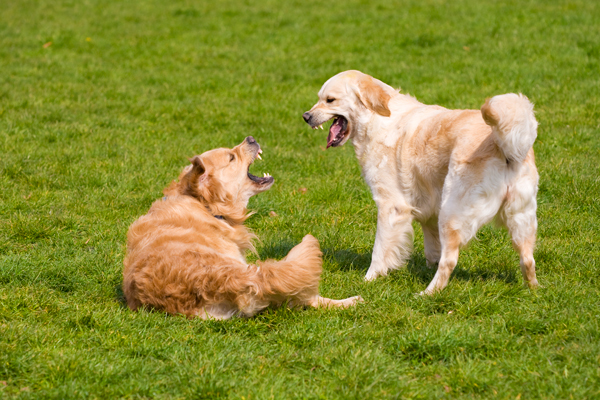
(296, 277)
(513, 124)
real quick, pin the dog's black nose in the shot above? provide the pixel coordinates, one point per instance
(306, 116)
(250, 140)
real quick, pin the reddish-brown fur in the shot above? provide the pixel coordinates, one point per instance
(182, 259)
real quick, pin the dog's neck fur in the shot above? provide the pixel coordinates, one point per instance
(216, 203)
(370, 127)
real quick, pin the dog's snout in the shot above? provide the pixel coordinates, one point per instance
(306, 116)
(250, 140)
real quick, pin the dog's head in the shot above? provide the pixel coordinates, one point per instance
(221, 178)
(348, 98)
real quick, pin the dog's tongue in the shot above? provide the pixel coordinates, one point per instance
(334, 130)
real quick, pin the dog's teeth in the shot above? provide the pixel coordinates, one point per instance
(264, 175)
(259, 151)
(321, 126)
(259, 157)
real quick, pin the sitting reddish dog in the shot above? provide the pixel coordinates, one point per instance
(186, 256)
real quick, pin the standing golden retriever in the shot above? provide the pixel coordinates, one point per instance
(451, 170)
(186, 256)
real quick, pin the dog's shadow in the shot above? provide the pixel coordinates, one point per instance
(120, 295)
(348, 260)
(275, 251)
(345, 260)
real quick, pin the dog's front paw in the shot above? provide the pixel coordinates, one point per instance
(371, 275)
(426, 292)
(533, 285)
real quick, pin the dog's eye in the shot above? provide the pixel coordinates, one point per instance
(330, 100)
(231, 157)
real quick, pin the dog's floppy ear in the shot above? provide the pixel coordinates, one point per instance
(373, 96)
(197, 166)
(189, 182)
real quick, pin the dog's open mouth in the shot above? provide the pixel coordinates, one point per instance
(267, 179)
(337, 131)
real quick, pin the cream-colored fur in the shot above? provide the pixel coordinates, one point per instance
(186, 255)
(451, 170)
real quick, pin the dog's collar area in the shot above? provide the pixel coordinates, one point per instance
(216, 216)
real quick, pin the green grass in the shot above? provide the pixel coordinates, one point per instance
(93, 126)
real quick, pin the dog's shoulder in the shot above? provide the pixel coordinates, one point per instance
(173, 219)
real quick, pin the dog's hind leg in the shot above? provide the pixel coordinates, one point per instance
(393, 240)
(525, 250)
(463, 211)
(217, 312)
(324, 302)
(295, 279)
(519, 216)
(433, 246)
(450, 240)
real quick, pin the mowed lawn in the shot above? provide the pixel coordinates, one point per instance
(101, 105)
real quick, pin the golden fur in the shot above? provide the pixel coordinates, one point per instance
(186, 255)
(451, 170)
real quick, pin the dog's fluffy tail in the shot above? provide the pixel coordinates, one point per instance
(296, 277)
(513, 124)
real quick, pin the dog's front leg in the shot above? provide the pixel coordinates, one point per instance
(393, 240)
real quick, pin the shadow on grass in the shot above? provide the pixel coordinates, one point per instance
(348, 260)
(120, 296)
(417, 266)
(505, 275)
